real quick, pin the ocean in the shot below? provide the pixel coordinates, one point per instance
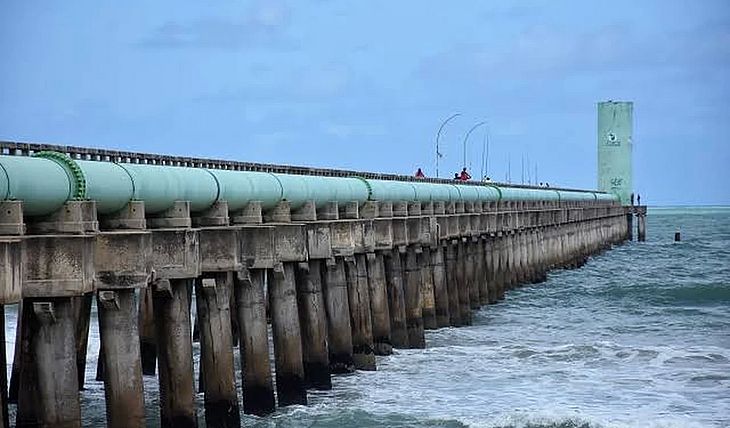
(638, 337)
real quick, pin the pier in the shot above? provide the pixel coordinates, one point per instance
(343, 265)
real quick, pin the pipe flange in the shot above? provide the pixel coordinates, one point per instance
(72, 168)
(367, 185)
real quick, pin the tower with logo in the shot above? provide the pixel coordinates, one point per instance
(615, 147)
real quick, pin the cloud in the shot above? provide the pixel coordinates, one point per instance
(264, 24)
(545, 52)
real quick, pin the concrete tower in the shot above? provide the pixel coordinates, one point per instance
(615, 146)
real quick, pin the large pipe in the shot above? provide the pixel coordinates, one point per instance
(45, 183)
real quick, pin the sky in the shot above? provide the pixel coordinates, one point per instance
(365, 85)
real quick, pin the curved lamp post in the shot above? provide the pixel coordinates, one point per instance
(466, 137)
(438, 136)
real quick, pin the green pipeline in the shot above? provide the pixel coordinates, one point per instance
(45, 183)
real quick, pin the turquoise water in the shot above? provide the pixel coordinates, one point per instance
(638, 337)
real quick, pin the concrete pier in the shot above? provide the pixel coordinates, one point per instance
(48, 393)
(413, 299)
(212, 299)
(348, 267)
(396, 300)
(441, 292)
(363, 354)
(452, 281)
(339, 330)
(428, 301)
(290, 382)
(117, 312)
(258, 388)
(313, 322)
(380, 315)
(175, 352)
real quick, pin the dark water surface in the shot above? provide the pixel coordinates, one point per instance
(639, 337)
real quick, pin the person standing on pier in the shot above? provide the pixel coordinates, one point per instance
(465, 176)
(638, 200)
(632, 199)
(419, 174)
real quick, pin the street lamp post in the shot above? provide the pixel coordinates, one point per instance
(438, 136)
(466, 137)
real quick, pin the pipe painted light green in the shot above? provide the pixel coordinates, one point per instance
(606, 196)
(390, 191)
(431, 192)
(108, 184)
(21, 180)
(238, 188)
(569, 195)
(477, 193)
(299, 189)
(160, 186)
(522, 194)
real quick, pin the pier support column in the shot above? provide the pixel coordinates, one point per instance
(641, 227)
(212, 298)
(428, 303)
(481, 272)
(452, 282)
(290, 386)
(380, 314)
(147, 338)
(175, 352)
(4, 418)
(123, 388)
(313, 321)
(396, 300)
(82, 307)
(362, 329)
(48, 391)
(441, 293)
(412, 292)
(258, 390)
(463, 283)
(337, 304)
(472, 277)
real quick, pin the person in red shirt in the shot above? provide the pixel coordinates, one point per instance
(464, 175)
(419, 174)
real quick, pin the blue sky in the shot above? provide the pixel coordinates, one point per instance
(365, 85)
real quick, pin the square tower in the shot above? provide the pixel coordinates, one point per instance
(615, 147)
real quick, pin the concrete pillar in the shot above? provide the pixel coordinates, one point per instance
(441, 292)
(396, 300)
(496, 269)
(258, 390)
(379, 312)
(452, 284)
(362, 329)
(413, 299)
(472, 276)
(82, 307)
(14, 383)
(481, 272)
(462, 279)
(147, 338)
(48, 389)
(641, 227)
(338, 317)
(175, 353)
(123, 387)
(290, 386)
(313, 321)
(489, 270)
(4, 419)
(212, 299)
(428, 303)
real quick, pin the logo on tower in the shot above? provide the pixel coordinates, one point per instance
(612, 140)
